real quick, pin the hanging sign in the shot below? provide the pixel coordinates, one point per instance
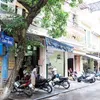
(7, 40)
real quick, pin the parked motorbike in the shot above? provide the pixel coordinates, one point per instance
(97, 76)
(73, 77)
(88, 77)
(61, 81)
(43, 84)
(21, 86)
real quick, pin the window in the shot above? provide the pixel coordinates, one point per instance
(74, 19)
(11, 0)
(7, 0)
(16, 9)
(23, 13)
(3, 6)
(4, 0)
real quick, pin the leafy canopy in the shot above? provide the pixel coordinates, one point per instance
(54, 19)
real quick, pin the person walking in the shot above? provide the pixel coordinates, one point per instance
(70, 72)
(33, 77)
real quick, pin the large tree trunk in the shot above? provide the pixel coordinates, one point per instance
(18, 63)
(33, 11)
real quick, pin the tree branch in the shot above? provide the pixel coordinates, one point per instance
(35, 10)
(2, 24)
(23, 3)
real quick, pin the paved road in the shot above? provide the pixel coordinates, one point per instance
(71, 92)
(87, 93)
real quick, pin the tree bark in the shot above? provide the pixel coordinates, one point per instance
(33, 11)
(18, 64)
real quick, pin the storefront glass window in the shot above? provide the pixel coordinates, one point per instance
(55, 60)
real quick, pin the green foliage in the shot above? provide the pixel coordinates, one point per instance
(34, 43)
(14, 24)
(80, 1)
(31, 2)
(75, 3)
(55, 19)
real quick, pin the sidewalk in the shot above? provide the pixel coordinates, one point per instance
(39, 94)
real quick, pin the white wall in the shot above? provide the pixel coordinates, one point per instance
(66, 64)
(57, 63)
(42, 61)
(81, 64)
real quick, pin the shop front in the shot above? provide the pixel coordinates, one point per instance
(91, 62)
(79, 60)
(56, 56)
(52, 54)
(6, 42)
(55, 59)
(7, 63)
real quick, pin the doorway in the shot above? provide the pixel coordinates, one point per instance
(70, 63)
(32, 60)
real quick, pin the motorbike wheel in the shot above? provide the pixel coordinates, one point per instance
(98, 78)
(66, 84)
(28, 91)
(49, 88)
(53, 84)
(78, 80)
(13, 90)
(93, 80)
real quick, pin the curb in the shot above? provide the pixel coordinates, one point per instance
(44, 97)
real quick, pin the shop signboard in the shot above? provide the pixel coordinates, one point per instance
(1, 49)
(7, 40)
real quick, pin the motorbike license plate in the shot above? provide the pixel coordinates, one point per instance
(17, 84)
(30, 85)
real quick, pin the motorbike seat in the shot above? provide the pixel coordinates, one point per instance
(41, 80)
(63, 78)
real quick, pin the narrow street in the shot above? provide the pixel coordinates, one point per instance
(75, 92)
(49, 49)
(87, 93)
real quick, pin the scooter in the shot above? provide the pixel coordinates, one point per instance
(74, 76)
(88, 78)
(97, 76)
(61, 81)
(21, 86)
(43, 84)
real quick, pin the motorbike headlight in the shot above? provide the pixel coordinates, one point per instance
(17, 84)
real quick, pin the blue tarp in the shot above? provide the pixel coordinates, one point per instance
(58, 45)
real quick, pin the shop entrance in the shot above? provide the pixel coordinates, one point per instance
(31, 61)
(55, 59)
(70, 63)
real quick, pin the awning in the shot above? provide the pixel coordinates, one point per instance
(93, 57)
(58, 45)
